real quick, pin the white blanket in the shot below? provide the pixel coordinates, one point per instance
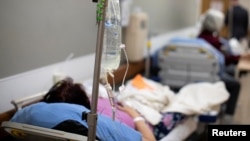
(147, 101)
(198, 98)
(192, 99)
(155, 98)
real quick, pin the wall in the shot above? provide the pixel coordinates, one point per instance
(37, 33)
(80, 69)
(246, 4)
(169, 15)
(40, 80)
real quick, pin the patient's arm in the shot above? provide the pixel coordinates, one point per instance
(140, 125)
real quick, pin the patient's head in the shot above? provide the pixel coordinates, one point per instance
(67, 91)
(213, 20)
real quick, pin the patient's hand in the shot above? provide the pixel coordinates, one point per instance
(129, 110)
(140, 125)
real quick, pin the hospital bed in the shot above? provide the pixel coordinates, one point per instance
(186, 60)
(25, 132)
(29, 132)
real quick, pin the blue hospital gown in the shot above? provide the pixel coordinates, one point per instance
(49, 115)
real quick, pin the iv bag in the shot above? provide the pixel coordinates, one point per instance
(111, 54)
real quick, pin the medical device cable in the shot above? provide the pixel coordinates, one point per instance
(116, 118)
(114, 100)
(112, 96)
(109, 89)
(101, 16)
(126, 71)
(118, 130)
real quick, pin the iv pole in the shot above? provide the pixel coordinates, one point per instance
(92, 116)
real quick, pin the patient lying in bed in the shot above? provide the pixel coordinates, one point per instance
(62, 108)
(67, 117)
(75, 100)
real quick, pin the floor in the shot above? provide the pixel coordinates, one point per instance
(242, 115)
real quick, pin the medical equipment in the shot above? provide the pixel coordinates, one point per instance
(111, 54)
(111, 98)
(113, 17)
(92, 116)
(183, 61)
(110, 92)
(112, 47)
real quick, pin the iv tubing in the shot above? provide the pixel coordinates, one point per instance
(110, 95)
(126, 57)
(92, 116)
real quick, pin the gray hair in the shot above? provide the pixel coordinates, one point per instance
(213, 20)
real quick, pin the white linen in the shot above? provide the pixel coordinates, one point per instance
(192, 99)
(148, 102)
(198, 98)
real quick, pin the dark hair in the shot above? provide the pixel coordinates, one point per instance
(68, 92)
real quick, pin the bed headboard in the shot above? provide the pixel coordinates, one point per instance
(20, 103)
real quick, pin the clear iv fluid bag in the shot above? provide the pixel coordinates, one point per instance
(111, 54)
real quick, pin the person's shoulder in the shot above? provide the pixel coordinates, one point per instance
(35, 105)
(60, 106)
(66, 106)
